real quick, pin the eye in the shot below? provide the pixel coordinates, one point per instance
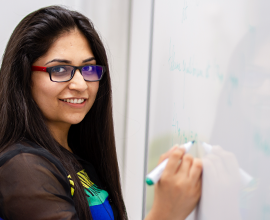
(88, 68)
(59, 69)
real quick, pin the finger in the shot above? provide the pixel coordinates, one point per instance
(195, 171)
(185, 165)
(168, 153)
(173, 148)
(182, 147)
(198, 187)
(173, 161)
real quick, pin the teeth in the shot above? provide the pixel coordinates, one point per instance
(75, 101)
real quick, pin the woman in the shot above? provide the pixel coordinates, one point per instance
(57, 142)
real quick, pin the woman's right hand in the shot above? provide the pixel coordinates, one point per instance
(179, 188)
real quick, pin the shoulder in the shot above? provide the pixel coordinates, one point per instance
(30, 166)
(29, 153)
(33, 183)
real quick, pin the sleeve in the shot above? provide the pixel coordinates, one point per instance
(32, 187)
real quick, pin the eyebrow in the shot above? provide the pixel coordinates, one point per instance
(89, 59)
(59, 61)
(68, 61)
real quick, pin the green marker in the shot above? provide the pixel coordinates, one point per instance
(154, 176)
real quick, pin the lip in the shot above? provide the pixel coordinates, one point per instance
(74, 98)
(74, 105)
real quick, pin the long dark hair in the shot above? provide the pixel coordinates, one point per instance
(21, 117)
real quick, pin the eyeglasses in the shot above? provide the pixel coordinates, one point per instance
(91, 73)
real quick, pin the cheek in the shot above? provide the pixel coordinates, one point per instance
(93, 88)
(44, 93)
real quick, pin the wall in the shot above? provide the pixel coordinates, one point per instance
(137, 107)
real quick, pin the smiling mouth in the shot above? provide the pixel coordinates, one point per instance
(74, 101)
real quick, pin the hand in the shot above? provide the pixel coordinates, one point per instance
(221, 184)
(179, 188)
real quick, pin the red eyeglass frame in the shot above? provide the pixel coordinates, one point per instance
(49, 69)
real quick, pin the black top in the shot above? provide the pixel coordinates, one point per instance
(35, 185)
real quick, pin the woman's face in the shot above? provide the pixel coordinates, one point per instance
(71, 48)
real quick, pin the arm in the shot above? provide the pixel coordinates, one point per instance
(32, 187)
(179, 189)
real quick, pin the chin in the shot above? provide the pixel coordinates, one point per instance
(75, 120)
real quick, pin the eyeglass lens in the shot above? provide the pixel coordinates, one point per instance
(89, 73)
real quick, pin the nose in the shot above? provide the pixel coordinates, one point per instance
(77, 82)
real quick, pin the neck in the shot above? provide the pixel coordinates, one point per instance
(60, 133)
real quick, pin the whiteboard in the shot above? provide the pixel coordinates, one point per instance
(210, 82)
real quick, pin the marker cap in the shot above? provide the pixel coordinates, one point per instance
(149, 182)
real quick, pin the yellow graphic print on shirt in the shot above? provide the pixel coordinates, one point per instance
(85, 180)
(95, 196)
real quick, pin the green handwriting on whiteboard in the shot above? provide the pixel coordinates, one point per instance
(188, 66)
(184, 14)
(181, 135)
